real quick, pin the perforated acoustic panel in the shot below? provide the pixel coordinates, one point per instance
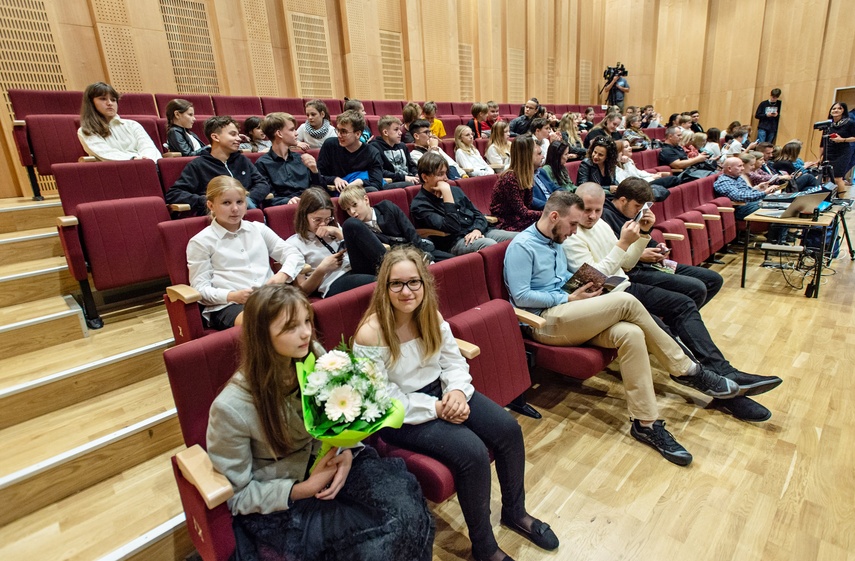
(28, 57)
(392, 54)
(467, 72)
(357, 61)
(189, 40)
(389, 12)
(120, 54)
(311, 54)
(550, 80)
(585, 81)
(260, 47)
(516, 75)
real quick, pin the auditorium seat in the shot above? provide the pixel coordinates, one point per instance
(576, 362)
(333, 105)
(170, 170)
(479, 190)
(292, 105)
(481, 145)
(38, 102)
(53, 139)
(442, 108)
(79, 183)
(708, 211)
(198, 127)
(573, 170)
(451, 122)
(672, 208)
(202, 105)
(397, 197)
(462, 108)
(447, 144)
(368, 105)
(280, 219)
(388, 107)
(237, 105)
(136, 104)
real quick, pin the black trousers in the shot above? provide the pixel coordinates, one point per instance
(463, 448)
(698, 283)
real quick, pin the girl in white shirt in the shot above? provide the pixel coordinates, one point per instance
(317, 127)
(336, 267)
(230, 258)
(445, 417)
(105, 135)
(466, 155)
(499, 146)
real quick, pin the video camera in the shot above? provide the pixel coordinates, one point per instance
(617, 70)
(822, 125)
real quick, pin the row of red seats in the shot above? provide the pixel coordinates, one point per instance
(480, 315)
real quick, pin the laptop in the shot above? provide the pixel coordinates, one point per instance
(804, 204)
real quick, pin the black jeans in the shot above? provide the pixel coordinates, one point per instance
(364, 249)
(463, 448)
(681, 315)
(698, 283)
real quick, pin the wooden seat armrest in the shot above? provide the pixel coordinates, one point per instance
(66, 221)
(19, 123)
(387, 247)
(172, 154)
(427, 232)
(467, 349)
(196, 467)
(711, 217)
(530, 319)
(738, 203)
(269, 197)
(726, 209)
(184, 293)
(468, 171)
(180, 207)
(676, 237)
(497, 167)
(491, 219)
(693, 226)
(87, 159)
(387, 179)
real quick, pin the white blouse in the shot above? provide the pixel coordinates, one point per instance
(496, 157)
(127, 140)
(413, 372)
(312, 251)
(474, 161)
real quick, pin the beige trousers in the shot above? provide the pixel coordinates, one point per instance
(618, 321)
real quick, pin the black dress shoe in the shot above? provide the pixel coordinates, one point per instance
(743, 408)
(752, 384)
(505, 558)
(540, 535)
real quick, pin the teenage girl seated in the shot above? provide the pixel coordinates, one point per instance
(105, 135)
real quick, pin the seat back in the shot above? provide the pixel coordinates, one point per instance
(481, 145)
(292, 105)
(479, 190)
(650, 158)
(338, 316)
(122, 241)
(45, 102)
(573, 169)
(462, 108)
(170, 170)
(89, 182)
(53, 139)
(237, 105)
(137, 104)
(494, 266)
(460, 284)
(202, 105)
(638, 159)
(280, 219)
(397, 197)
(392, 107)
(333, 105)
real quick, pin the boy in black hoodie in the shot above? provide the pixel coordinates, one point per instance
(345, 161)
(222, 157)
(397, 164)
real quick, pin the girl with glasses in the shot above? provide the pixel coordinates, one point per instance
(445, 417)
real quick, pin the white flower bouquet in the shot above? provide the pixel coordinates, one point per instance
(345, 399)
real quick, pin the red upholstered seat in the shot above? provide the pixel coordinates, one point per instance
(650, 158)
(451, 122)
(388, 107)
(53, 139)
(573, 169)
(333, 105)
(397, 197)
(198, 370)
(575, 362)
(280, 219)
(170, 170)
(237, 105)
(202, 105)
(292, 105)
(715, 224)
(367, 104)
(39, 102)
(462, 108)
(442, 107)
(672, 208)
(89, 182)
(706, 194)
(479, 190)
(137, 104)
(198, 127)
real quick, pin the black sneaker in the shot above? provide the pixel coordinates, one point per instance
(661, 440)
(708, 382)
(743, 408)
(752, 384)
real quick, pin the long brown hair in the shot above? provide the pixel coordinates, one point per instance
(426, 316)
(92, 122)
(269, 376)
(522, 161)
(311, 200)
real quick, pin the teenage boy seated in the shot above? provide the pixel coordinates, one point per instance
(492, 114)
(541, 130)
(346, 161)
(439, 206)
(436, 126)
(478, 122)
(222, 157)
(386, 220)
(426, 142)
(596, 244)
(536, 275)
(398, 167)
(288, 172)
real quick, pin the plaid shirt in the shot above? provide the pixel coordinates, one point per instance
(736, 189)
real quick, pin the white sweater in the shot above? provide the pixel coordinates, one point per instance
(598, 248)
(127, 140)
(473, 161)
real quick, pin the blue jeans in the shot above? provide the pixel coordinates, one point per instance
(766, 136)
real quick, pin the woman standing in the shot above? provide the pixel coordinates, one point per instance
(838, 145)
(445, 417)
(512, 199)
(105, 135)
(353, 505)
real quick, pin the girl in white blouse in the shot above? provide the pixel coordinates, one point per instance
(105, 135)
(444, 416)
(466, 155)
(499, 146)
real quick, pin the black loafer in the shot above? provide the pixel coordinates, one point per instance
(752, 384)
(743, 408)
(540, 535)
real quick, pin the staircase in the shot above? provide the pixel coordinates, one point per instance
(87, 421)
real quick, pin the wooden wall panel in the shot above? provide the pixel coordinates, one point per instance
(636, 23)
(680, 53)
(441, 65)
(591, 20)
(361, 43)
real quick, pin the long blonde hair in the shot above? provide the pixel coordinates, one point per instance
(425, 317)
(497, 138)
(458, 140)
(568, 125)
(219, 185)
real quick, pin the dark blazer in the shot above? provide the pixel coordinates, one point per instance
(589, 171)
(178, 140)
(455, 219)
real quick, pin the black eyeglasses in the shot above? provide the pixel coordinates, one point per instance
(398, 286)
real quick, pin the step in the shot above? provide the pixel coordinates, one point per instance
(40, 324)
(48, 379)
(21, 213)
(38, 243)
(56, 455)
(136, 514)
(31, 280)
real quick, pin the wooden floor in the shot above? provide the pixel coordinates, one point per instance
(779, 490)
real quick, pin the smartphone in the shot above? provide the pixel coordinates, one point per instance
(646, 206)
(834, 135)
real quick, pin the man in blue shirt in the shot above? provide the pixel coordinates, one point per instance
(536, 272)
(732, 185)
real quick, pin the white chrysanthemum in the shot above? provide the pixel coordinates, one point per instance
(372, 412)
(359, 384)
(343, 402)
(333, 361)
(315, 382)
